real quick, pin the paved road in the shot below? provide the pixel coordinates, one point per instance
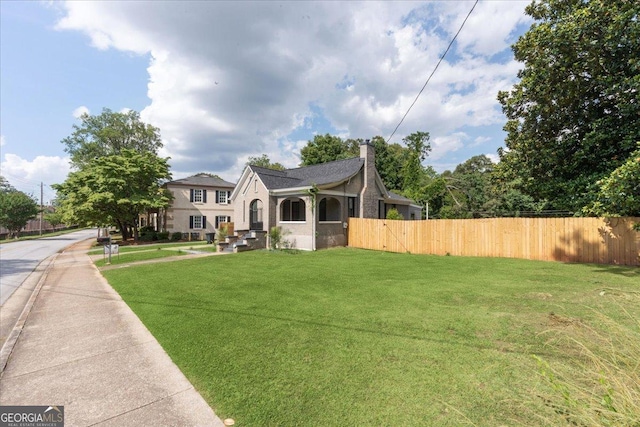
(19, 259)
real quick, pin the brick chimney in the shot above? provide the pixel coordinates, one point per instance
(369, 194)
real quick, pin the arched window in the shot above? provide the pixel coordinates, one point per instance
(292, 209)
(255, 215)
(329, 209)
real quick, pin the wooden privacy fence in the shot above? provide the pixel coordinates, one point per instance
(588, 240)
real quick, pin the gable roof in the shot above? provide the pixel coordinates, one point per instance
(400, 200)
(325, 174)
(202, 180)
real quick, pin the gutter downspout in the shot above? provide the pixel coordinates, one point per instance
(313, 223)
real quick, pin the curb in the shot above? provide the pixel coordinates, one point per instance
(9, 344)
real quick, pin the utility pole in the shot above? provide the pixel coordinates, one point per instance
(41, 206)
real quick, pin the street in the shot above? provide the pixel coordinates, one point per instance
(19, 259)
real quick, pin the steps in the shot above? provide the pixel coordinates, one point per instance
(243, 241)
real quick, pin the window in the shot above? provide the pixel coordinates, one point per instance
(292, 210)
(222, 197)
(329, 209)
(222, 220)
(197, 222)
(351, 205)
(197, 195)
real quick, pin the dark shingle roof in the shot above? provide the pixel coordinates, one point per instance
(322, 174)
(398, 198)
(202, 180)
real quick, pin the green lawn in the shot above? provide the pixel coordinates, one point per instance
(349, 337)
(134, 253)
(153, 246)
(134, 256)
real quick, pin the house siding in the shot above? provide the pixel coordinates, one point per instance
(178, 215)
(250, 191)
(331, 235)
(299, 234)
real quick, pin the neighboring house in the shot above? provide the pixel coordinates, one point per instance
(312, 204)
(200, 205)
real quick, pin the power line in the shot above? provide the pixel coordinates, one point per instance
(434, 70)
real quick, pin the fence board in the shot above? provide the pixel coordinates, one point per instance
(589, 240)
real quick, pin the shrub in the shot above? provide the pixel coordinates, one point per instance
(146, 228)
(276, 239)
(394, 214)
(176, 236)
(163, 235)
(148, 237)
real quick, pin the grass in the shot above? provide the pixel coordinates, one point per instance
(135, 256)
(132, 254)
(153, 246)
(38, 236)
(351, 337)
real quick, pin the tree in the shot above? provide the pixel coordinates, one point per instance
(327, 148)
(16, 208)
(389, 161)
(4, 185)
(574, 116)
(264, 162)
(115, 190)
(619, 193)
(413, 173)
(55, 218)
(109, 133)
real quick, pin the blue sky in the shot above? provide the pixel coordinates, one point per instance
(227, 80)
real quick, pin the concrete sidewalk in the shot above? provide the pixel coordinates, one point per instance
(83, 348)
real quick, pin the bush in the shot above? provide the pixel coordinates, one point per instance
(163, 235)
(394, 214)
(276, 239)
(176, 236)
(148, 237)
(147, 229)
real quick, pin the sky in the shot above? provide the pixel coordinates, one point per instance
(225, 81)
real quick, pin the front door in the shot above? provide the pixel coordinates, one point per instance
(255, 215)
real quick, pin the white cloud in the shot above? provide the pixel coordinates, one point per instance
(495, 158)
(442, 145)
(26, 175)
(228, 80)
(78, 112)
(2, 141)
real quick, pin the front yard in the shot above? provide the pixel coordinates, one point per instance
(145, 252)
(349, 337)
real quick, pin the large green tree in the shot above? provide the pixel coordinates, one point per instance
(619, 193)
(327, 148)
(413, 172)
(109, 133)
(263, 161)
(574, 116)
(16, 208)
(389, 161)
(115, 190)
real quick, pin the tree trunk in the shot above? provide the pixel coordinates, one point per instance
(123, 230)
